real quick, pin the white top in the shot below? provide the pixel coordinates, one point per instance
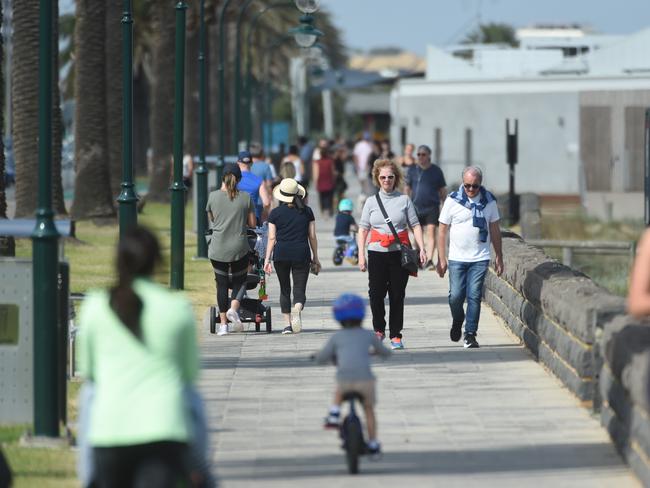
(362, 150)
(464, 243)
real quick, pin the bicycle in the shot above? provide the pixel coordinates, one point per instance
(351, 433)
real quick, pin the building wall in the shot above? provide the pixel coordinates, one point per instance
(548, 136)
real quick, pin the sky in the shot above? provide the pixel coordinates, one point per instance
(413, 24)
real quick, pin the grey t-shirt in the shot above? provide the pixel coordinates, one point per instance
(229, 242)
(351, 347)
(399, 208)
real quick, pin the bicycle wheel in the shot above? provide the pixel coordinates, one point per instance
(353, 443)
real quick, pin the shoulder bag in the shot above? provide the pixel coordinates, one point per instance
(409, 257)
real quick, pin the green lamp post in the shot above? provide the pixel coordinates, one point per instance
(127, 200)
(45, 247)
(222, 90)
(202, 171)
(178, 188)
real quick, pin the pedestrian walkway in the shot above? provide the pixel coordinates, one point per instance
(447, 416)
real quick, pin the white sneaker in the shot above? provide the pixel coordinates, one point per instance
(233, 318)
(223, 330)
(296, 318)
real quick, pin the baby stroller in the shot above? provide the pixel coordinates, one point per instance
(252, 309)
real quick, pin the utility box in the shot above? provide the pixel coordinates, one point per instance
(16, 341)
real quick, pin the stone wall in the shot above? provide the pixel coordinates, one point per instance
(625, 390)
(557, 312)
(581, 333)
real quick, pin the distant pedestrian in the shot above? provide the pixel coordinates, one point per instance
(385, 151)
(426, 185)
(306, 151)
(362, 163)
(137, 344)
(385, 272)
(407, 159)
(324, 174)
(254, 186)
(294, 158)
(230, 213)
(350, 349)
(471, 217)
(293, 248)
(260, 166)
(287, 170)
(638, 300)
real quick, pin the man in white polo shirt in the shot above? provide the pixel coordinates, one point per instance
(473, 216)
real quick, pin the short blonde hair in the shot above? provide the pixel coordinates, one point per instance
(380, 164)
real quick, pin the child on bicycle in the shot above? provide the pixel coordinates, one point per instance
(350, 349)
(344, 224)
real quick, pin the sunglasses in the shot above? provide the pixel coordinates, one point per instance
(423, 154)
(473, 186)
(389, 177)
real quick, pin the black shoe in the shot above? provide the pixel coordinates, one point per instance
(470, 341)
(456, 331)
(428, 265)
(287, 330)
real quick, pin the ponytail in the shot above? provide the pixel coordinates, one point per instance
(230, 181)
(137, 254)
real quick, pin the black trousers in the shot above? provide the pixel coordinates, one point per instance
(326, 200)
(153, 465)
(230, 275)
(386, 275)
(300, 273)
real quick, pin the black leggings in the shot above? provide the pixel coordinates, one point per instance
(153, 465)
(326, 199)
(300, 272)
(385, 274)
(230, 275)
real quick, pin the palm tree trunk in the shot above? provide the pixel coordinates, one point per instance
(92, 193)
(114, 92)
(162, 101)
(192, 88)
(58, 203)
(24, 99)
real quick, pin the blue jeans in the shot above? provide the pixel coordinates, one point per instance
(466, 281)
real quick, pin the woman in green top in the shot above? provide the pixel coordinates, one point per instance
(230, 212)
(137, 344)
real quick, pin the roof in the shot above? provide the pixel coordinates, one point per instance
(404, 61)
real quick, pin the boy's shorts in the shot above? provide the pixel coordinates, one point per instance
(365, 388)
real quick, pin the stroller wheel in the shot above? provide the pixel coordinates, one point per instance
(269, 327)
(213, 320)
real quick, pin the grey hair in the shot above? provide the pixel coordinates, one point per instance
(474, 170)
(426, 148)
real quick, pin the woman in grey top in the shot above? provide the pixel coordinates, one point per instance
(230, 212)
(385, 272)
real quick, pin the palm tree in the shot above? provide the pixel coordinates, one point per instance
(58, 202)
(162, 100)
(24, 99)
(114, 92)
(92, 191)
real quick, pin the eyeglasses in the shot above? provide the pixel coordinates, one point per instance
(423, 154)
(473, 186)
(389, 177)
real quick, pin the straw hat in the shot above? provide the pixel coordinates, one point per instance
(287, 189)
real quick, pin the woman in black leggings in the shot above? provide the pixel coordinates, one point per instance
(229, 212)
(292, 242)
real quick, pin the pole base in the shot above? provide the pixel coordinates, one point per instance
(43, 442)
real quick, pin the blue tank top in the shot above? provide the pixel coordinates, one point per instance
(250, 183)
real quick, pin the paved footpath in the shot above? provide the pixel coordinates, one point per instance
(447, 416)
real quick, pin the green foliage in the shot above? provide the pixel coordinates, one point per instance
(492, 33)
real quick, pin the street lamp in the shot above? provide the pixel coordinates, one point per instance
(202, 171)
(305, 34)
(177, 268)
(307, 6)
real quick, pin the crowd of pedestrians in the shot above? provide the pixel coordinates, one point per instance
(138, 443)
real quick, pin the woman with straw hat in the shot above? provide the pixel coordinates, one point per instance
(292, 243)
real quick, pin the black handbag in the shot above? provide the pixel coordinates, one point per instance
(409, 258)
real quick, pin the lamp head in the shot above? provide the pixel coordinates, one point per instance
(307, 6)
(305, 34)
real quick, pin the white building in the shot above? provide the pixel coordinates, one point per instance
(579, 100)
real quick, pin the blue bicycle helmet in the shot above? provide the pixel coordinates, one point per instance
(349, 307)
(346, 205)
